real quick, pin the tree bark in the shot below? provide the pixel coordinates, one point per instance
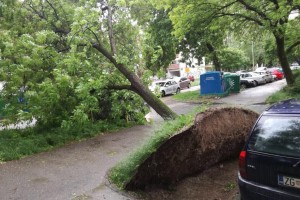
(281, 53)
(215, 56)
(162, 109)
(110, 31)
(137, 86)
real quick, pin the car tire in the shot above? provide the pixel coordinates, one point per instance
(178, 90)
(255, 83)
(163, 93)
(189, 85)
(243, 86)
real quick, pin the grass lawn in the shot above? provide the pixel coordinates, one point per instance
(287, 92)
(194, 96)
(15, 144)
(196, 82)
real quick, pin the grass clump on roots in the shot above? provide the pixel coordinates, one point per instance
(121, 174)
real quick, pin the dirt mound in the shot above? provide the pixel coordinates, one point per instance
(217, 135)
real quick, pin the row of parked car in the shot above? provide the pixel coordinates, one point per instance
(247, 79)
(259, 76)
(171, 86)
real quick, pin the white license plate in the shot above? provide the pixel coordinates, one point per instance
(288, 181)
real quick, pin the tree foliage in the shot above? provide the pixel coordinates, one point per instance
(233, 59)
(269, 16)
(160, 43)
(70, 62)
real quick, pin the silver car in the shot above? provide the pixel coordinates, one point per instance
(165, 87)
(258, 79)
(268, 76)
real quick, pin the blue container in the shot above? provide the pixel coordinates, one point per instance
(211, 83)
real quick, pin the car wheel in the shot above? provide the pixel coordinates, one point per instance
(163, 93)
(255, 83)
(189, 85)
(243, 86)
(178, 90)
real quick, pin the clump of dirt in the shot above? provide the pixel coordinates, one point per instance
(217, 135)
(216, 183)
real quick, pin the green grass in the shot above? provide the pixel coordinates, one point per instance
(188, 96)
(229, 186)
(15, 144)
(196, 82)
(287, 92)
(194, 96)
(122, 173)
(281, 95)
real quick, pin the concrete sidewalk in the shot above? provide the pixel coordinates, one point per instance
(75, 171)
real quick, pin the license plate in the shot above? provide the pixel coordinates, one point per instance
(288, 181)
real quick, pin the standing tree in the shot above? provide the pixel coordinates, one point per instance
(272, 16)
(198, 37)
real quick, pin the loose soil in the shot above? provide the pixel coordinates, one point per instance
(217, 183)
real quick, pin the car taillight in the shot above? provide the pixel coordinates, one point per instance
(242, 164)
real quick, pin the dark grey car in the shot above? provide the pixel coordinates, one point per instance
(183, 82)
(269, 165)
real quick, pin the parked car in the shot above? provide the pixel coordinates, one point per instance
(269, 164)
(295, 66)
(183, 82)
(268, 76)
(259, 79)
(246, 83)
(165, 87)
(279, 75)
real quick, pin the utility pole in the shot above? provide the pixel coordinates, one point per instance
(253, 67)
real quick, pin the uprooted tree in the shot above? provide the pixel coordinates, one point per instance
(72, 57)
(212, 138)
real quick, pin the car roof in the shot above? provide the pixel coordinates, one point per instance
(163, 81)
(284, 107)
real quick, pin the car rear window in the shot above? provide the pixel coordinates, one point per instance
(277, 135)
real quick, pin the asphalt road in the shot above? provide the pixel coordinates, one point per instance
(77, 171)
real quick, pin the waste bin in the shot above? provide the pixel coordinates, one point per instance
(211, 83)
(232, 83)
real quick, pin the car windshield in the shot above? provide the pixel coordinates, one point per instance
(277, 135)
(161, 83)
(253, 74)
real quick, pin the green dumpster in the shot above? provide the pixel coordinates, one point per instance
(232, 83)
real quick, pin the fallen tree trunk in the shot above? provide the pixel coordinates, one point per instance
(215, 136)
